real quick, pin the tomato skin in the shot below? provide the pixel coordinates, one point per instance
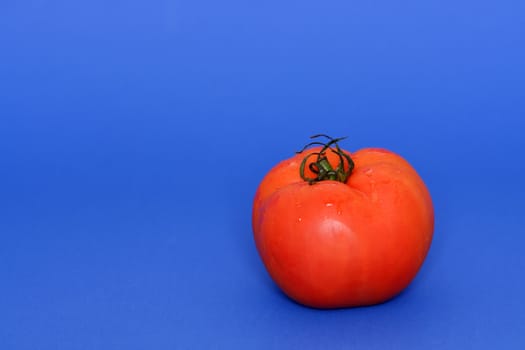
(333, 244)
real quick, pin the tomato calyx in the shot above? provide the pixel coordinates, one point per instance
(321, 166)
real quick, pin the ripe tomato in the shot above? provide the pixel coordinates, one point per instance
(353, 236)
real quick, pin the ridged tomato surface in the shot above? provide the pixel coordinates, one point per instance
(332, 244)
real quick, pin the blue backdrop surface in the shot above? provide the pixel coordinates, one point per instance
(133, 135)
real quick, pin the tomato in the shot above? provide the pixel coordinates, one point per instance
(356, 237)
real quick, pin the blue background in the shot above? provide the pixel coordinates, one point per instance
(133, 135)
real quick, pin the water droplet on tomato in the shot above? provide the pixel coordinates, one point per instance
(300, 219)
(329, 204)
(368, 172)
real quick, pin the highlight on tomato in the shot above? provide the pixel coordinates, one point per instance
(337, 229)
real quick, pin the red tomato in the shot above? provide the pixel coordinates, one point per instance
(354, 242)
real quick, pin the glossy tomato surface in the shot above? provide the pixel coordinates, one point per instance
(332, 244)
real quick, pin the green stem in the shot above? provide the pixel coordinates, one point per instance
(321, 167)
